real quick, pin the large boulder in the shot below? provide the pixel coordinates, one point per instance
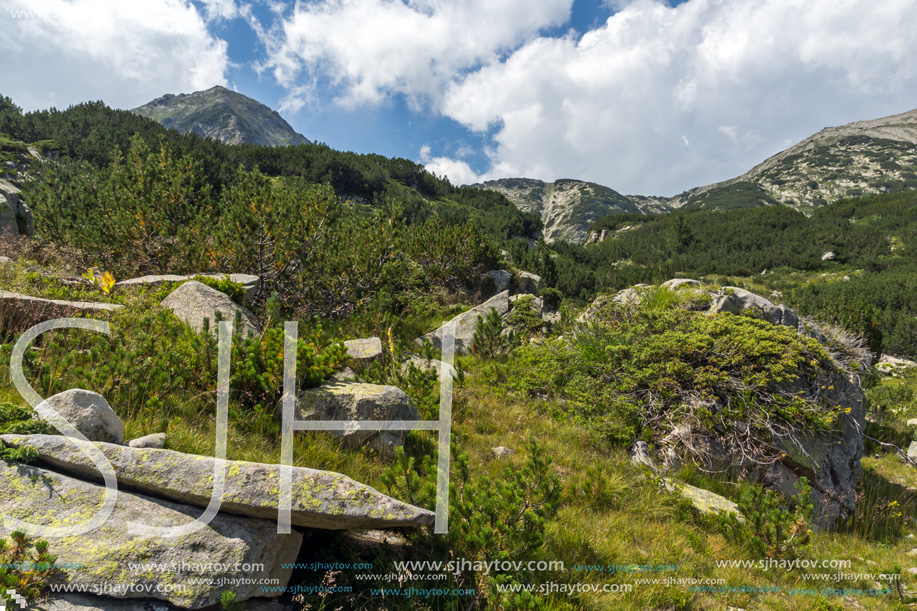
(22, 216)
(739, 301)
(193, 301)
(364, 351)
(358, 401)
(250, 282)
(89, 413)
(17, 309)
(526, 282)
(321, 499)
(232, 548)
(466, 323)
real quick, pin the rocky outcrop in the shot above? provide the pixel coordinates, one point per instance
(467, 323)
(192, 302)
(225, 546)
(320, 499)
(15, 216)
(501, 279)
(678, 283)
(249, 282)
(18, 310)
(87, 412)
(364, 351)
(829, 461)
(358, 401)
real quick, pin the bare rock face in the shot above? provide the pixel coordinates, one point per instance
(192, 302)
(229, 546)
(358, 401)
(320, 499)
(466, 323)
(89, 413)
(20, 222)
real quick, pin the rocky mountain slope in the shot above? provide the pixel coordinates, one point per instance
(224, 115)
(861, 158)
(568, 207)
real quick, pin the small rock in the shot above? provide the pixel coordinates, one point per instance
(502, 452)
(156, 440)
(912, 422)
(5, 260)
(912, 451)
(913, 552)
(911, 536)
(466, 323)
(426, 365)
(87, 412)
(640, 455)
(345, 375)
(364, 351)
(829, 256)
(912, 570)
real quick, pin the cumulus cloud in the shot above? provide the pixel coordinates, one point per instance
(369, 50)
(457, 171)
(59, 52)
(655, 100)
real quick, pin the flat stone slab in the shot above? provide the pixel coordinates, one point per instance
(321, 499)
(703, 500)
(365, 350)
(249, 281)
(17, 308)
(227, 543)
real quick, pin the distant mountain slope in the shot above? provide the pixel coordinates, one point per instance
(568, 207)
(223, 115)
(861, 158)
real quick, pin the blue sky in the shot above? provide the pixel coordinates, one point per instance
(644, 96)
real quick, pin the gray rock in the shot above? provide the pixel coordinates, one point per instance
(467, 323)
(677, 283)
(358, 401)
(640, 455)
(344, 375)
(912, 422)
(829, 256)
(17, 309)
(704, 501)
(5, 260)
(912, 451)
(739, 301)
(48, 498)
(320, 499)
(250, 282)
(502, 452)
(364, 351)
(427, 365)
(156, 441)
(192, 302)
(22, 216)
(526, 282)
(912, 570)
(630, 296)
(502, 279)
(9, 228)
(89, 413)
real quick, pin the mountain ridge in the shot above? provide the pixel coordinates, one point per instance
(224, 115)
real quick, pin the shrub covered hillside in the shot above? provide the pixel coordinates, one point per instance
(617, 442)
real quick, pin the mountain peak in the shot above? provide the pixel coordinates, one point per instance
(224, 115)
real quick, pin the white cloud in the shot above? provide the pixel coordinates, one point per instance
(369, 50)
(458, 172)
(124, 53)
(220, 9)
(618, 105)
